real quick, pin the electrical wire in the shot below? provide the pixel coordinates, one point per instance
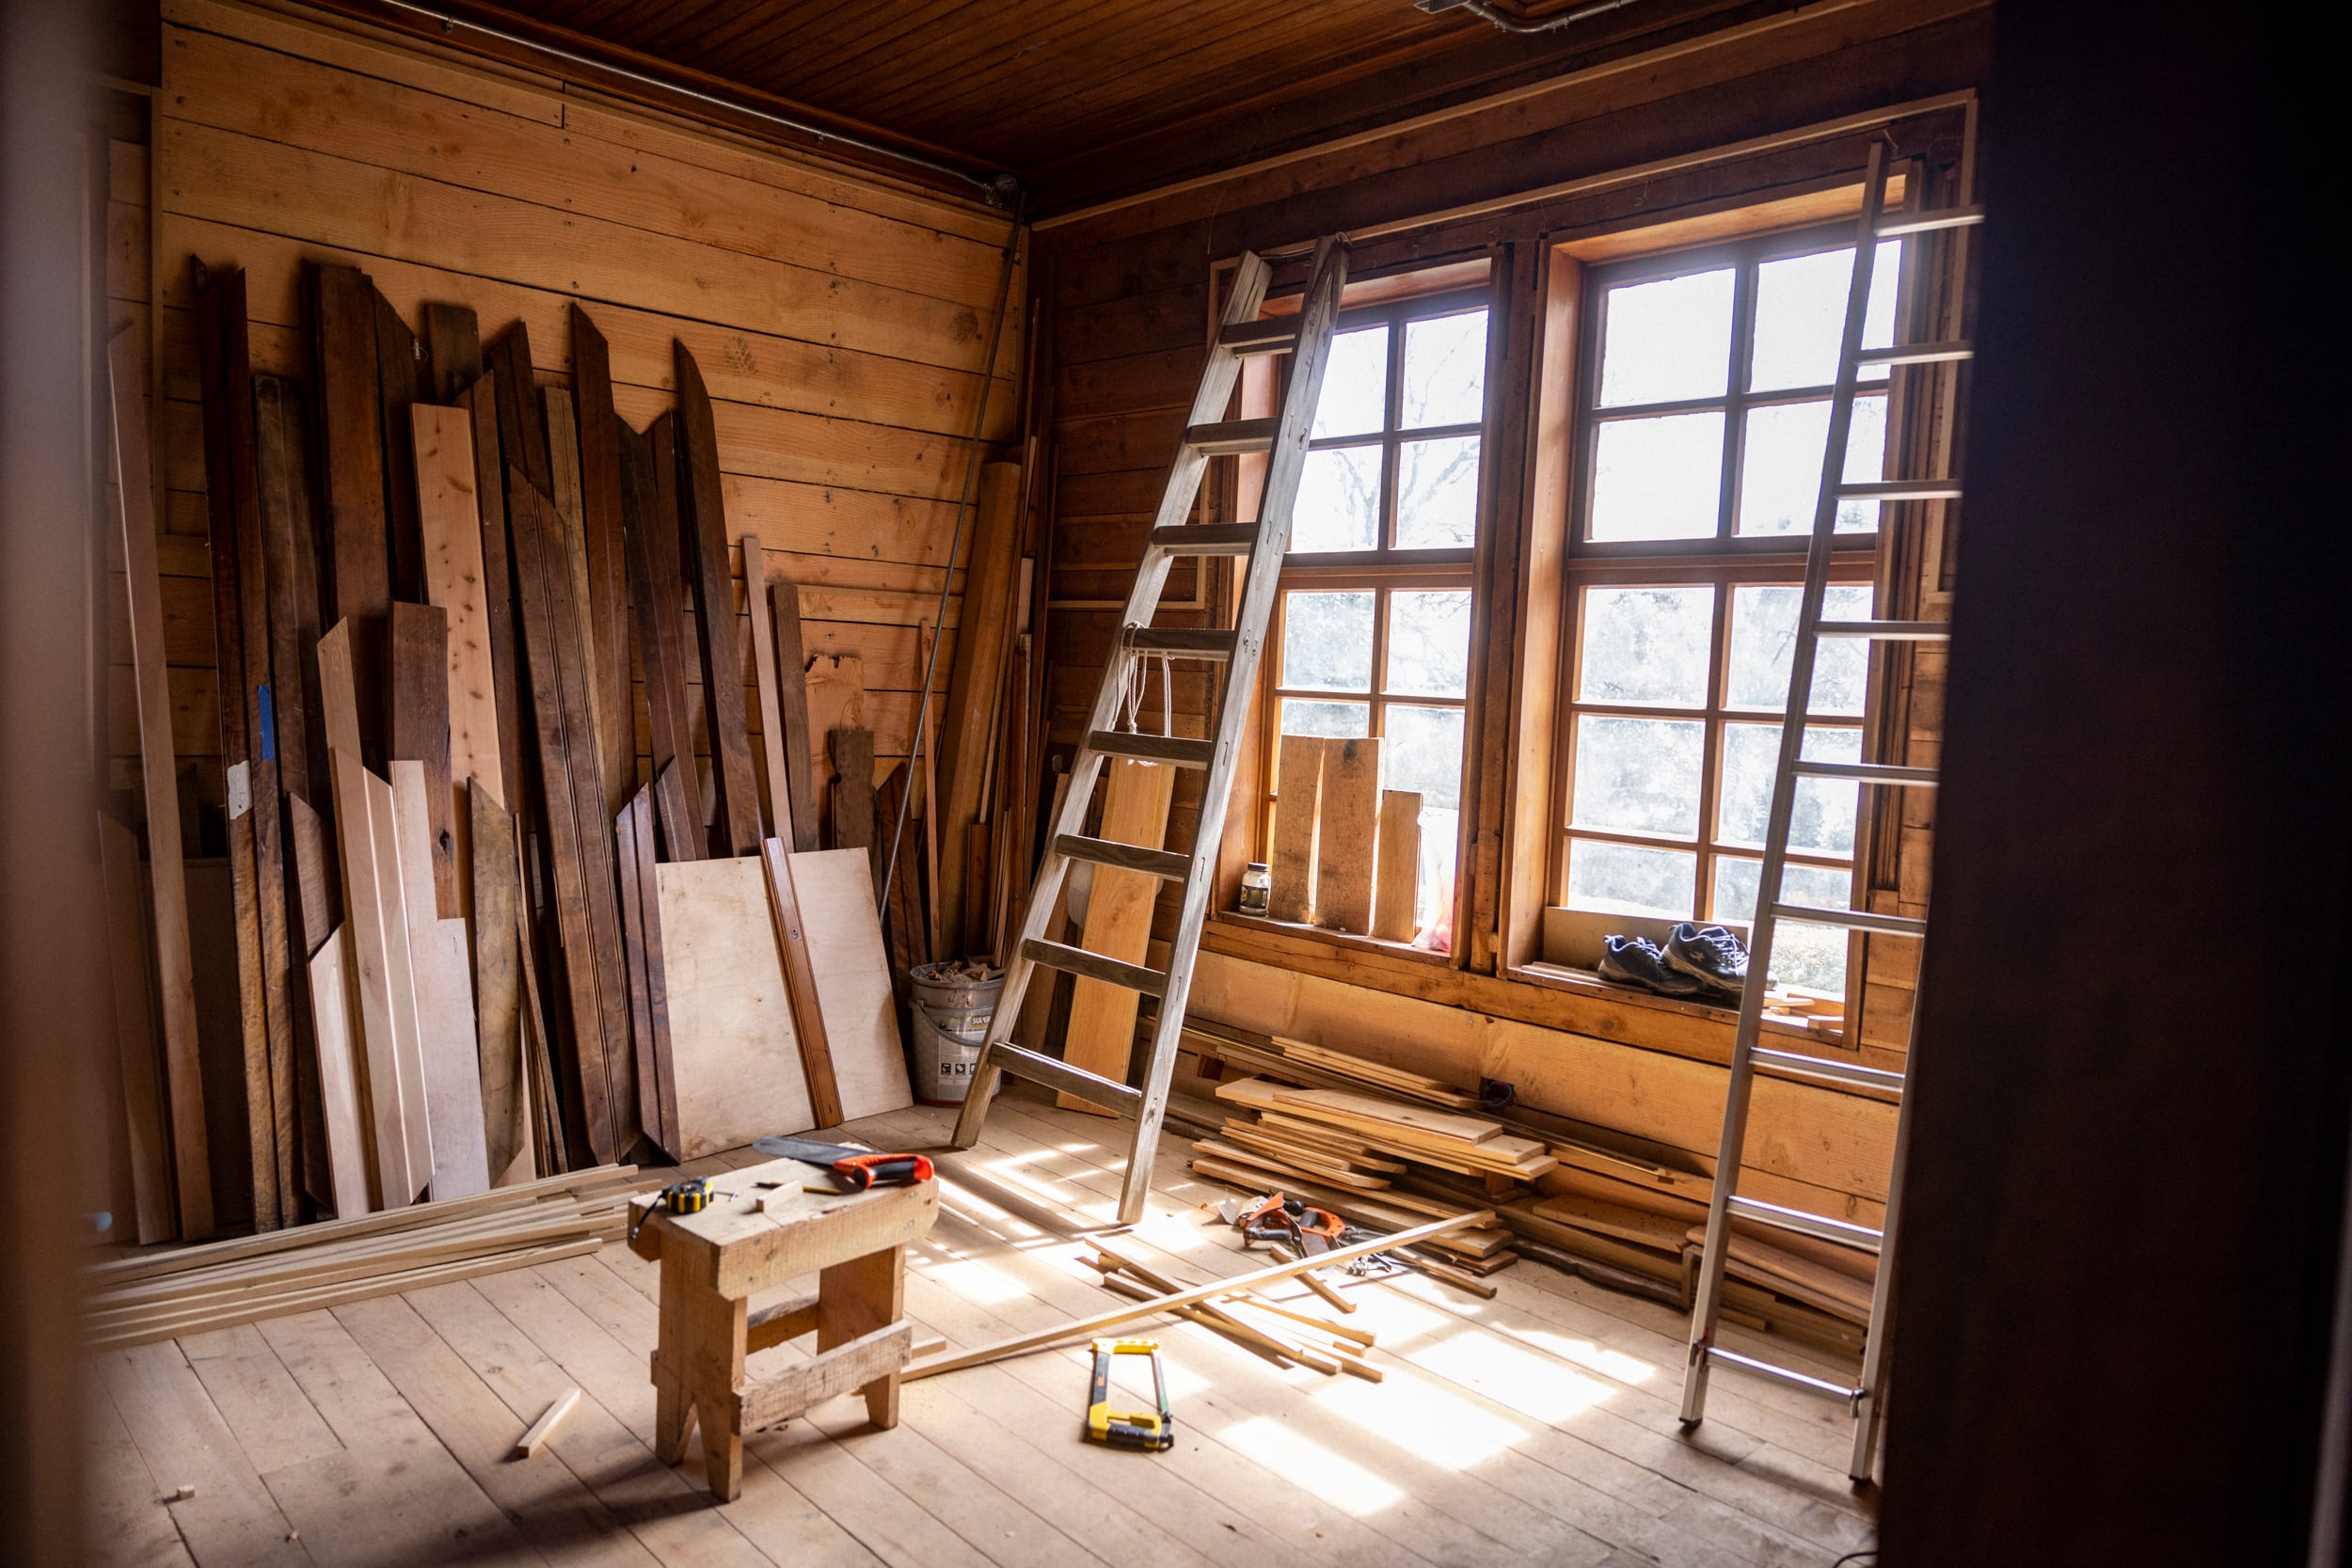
(925, 731)
(1510, 23)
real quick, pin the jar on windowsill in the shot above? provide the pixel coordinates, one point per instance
(1255, 884)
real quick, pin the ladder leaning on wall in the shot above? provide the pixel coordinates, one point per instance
(1307, 338)
(1865, 1396)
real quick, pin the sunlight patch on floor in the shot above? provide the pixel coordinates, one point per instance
(1609, 1363)
(1309, 1465)
(977, 1282)
(1422, 1419)
(1512, 1376)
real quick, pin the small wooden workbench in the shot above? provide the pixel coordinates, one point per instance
(748, 1241)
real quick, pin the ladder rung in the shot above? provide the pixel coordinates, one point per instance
(1055, 1074)
(1228, 436)
(1206, 538)
(1827, 1067)
(1890, 631)
(1274, 335)
(1869, 772)
(1797, 1222)
(1779, 1374)
(1176, 749)
(1077, 960)
(1895, 225)
(1902, 490)
(1164, 864)
(1855, 920)
(1917, 354)
(1184, 641)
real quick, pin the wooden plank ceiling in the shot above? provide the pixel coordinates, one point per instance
(1087, 98)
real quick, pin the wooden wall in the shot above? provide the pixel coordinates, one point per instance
(839, 320)
(1128, 294)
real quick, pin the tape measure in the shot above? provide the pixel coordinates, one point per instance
(690, 1196)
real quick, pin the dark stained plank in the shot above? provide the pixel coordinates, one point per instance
(135, 1032)
(399, 372)
(705, 536)
(793, 697)
(799, 984)
(290, 542)
(651, 539)
(648, 1005)
(578, 853)
(220, 329)
(452, 352)
(418, 693)
(522, 426)
(853, 794)
(358, 584)
(497, 986)
(607, 609)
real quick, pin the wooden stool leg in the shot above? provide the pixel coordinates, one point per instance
(714, 1361)
(674, 1398)
(857, 1297)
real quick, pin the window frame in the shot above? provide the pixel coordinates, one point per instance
(1725, 559)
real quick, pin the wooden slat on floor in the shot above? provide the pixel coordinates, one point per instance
(1537, 1427)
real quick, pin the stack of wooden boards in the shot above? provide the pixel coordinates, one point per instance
(486, 928)
(1262, 1327)
(192, 1290)
(1377, 1144)
(1346, 853)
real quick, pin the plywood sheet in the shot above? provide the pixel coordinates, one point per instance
(734, 1057)
(853, 971)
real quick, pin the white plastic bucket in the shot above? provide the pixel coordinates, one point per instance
(950, 1020)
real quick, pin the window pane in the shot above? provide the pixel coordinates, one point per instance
(1422, 751)
(1301, 716)
(1780, 465)
(1809, 955)
(1355, 390)
(1326, 644)
(1667, 339)
(1445, 371)
(1630, 879)
(1801, 310)
(1646, 645)
(1429, 644)
(1638, 775)
(1437, 498)
(1339, 501)
(1658, 479)
(1822, 822)
(1763, 642)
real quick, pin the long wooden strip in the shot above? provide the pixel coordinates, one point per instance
(1102, 1032)
(400, 373)
(1297, 812)
(372, 964)
(220, 317)
(531, 516)
(799, 984)
(607, 602)
(1345, 835)
(572, 549)
(661, 1089)
(970, 717)
(358, 569)
(764, 673)
(448, 1050)
(497, 594)
(134, 1031)
(1396, 889)
(418, 700)
(450, 519)
(289, 533)
(792, 701)
(498, 986)
(174, 970)
(315, 874)
(334, 1024)
(399, 967)
(633, 943)
(1192, 1296)
(530, 1441)
(714, 603)
(650, 532)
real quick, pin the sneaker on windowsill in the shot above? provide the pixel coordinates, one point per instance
(1709, 954)
(1636, 961)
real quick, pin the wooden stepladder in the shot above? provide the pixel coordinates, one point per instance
(1306, 337)
(1866, 1396)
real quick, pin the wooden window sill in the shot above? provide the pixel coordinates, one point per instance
(1563, 977)
(1344, 939)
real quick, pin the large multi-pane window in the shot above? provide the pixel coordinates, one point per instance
(1704, 416)
(1372, 631)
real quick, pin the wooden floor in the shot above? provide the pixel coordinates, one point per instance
(1538, 1427)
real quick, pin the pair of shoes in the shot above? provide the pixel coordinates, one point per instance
(1639, 962)
(1708, 955)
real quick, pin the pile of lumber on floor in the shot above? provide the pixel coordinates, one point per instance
(192, 1290)
(1281, 1335)
(470, 945)
(1376, 1145)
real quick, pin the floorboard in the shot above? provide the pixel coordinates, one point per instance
(1538, 1427)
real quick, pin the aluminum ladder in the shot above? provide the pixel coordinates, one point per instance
(1307, 337)
(1866, 1397)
